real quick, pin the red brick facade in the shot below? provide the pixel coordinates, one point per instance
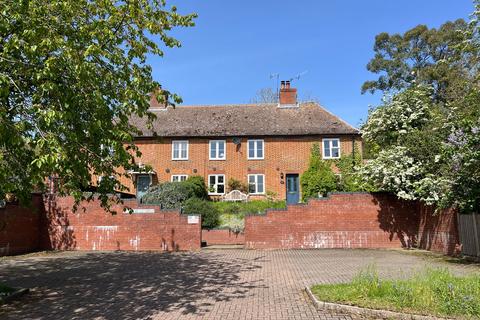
(282, 155)
(91, 228)
(20, 227)
(222, 236)
(358, 220)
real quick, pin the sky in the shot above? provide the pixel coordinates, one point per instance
(236, 45)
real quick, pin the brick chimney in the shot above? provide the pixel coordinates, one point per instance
(288, 96)
(158, 105)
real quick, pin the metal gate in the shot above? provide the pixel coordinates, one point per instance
(469, 232)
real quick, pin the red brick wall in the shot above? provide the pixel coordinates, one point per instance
(438, 231)
(282, 155)
(91, 228)
(222, 236)
(357, 220)
(19, 227)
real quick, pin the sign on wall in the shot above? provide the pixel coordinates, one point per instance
(193, 219)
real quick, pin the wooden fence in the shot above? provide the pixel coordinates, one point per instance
(469, 230)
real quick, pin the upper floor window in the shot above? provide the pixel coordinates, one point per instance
(331, 148)
(256, 183)
(180, 150)
(255, 149)
(216, 184)
(179, 177)
(217, 150)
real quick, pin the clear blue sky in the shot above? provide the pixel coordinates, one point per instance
(234, 47)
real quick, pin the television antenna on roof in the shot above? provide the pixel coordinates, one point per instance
(275, 76)
(298, 76)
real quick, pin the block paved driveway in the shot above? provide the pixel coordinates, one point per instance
(213, 284)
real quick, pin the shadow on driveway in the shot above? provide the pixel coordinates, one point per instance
(124, 285)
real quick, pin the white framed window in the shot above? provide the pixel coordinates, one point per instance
(256, 149)
(216, 184)
(180, 150)
(331, 148)
(179, 177)
(218, 150)
(256, 183)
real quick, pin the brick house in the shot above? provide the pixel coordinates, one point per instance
(266, 146)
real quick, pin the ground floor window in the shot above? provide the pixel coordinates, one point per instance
(256, 183)
(179, 177)
(216, 184)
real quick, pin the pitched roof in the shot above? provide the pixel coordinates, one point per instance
(243, 120)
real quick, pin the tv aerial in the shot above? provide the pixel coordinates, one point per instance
(298, 76)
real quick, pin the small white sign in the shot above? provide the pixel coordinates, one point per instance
(193, 219)
(138, 210)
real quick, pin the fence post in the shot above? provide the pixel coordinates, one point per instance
(475, 231)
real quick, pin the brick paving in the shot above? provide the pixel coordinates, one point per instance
(212, 284)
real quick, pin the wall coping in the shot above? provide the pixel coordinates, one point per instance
(329, 196)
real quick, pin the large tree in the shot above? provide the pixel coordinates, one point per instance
(72, 72)
(420, 56)
(426, 135)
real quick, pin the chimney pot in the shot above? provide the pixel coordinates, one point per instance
(288, 95)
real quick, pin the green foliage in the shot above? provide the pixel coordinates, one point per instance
(435, 292)
(234, 184)
(170, 195)
(351, 179)
(420, 56)
(199, 187)
(72, 73)
(210, 214)
(319, 178)
(424, 139)
(232, 221)
(232, 214)
(250, 207)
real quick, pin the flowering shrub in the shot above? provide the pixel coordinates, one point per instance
(463, 147)
(395, 171)
(399, 115)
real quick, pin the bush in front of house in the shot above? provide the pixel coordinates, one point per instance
(234, 184)
(319, 178)
(209, 213)
(250, 207)
(199, 188)
(170, 195)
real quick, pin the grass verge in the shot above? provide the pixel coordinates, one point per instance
(435, 292)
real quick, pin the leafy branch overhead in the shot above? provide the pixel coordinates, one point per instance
(72, 72)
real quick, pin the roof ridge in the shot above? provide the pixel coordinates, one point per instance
(226, 105)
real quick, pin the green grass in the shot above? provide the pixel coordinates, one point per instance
(434, 292)
(232, 214)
